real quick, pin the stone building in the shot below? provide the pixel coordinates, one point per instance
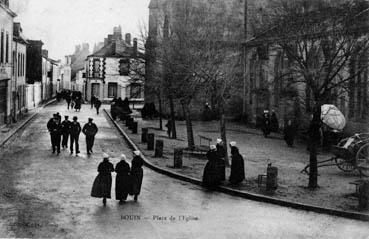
(109, 71)
(19, 71)
(7, 86)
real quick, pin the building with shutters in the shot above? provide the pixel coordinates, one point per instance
(110, 70)
(6, 83)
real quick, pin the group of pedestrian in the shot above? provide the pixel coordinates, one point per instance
(60, 132)
(95, 102)
(214, 171)
(128, 180)
(73, 99)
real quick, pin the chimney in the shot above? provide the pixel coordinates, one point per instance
(45, 53)
(135, 47)
(128, 38)
(110, 38)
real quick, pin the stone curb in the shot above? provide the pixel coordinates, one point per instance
(21, 126)
(243, 194)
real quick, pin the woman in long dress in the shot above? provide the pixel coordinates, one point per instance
(136, 174)
(237, 167)
(101, 187)
(122, 180)
(211, 177)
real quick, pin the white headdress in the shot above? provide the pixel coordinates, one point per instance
(123, 157)
(233, 143)
(105, 156)
(213, 147)
(219, 141)
(137, 153)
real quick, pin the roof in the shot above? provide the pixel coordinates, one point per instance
(114, 49)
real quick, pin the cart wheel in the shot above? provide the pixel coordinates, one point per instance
(362, 160)
(345, 165)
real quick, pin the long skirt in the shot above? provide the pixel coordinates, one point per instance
(101, 187)
(211, 177)
(136, 180)
(122, 186)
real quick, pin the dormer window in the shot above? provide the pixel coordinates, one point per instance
(124, 67)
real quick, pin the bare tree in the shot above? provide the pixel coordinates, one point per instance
(321, 39)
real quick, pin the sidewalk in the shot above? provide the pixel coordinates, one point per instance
(8, 131)
(334, 192)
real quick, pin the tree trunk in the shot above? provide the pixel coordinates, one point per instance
(223, 130)
(172, 117)
(160, 112)
(187, 114)
(313, 172)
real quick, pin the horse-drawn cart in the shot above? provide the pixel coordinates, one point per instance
(350, 154)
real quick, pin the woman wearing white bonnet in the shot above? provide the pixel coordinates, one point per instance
(136, 174)
(122, 180)
(101, 187)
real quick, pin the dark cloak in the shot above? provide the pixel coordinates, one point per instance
(211, 177)
(122, 180)
(102, 184)
(237, 167)
(136, 175)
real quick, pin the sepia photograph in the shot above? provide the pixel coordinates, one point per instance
(184, 119)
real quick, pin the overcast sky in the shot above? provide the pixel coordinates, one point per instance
(62, 24)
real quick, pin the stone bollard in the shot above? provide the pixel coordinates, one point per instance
(364, 195)
(178, 154)
(272, 178)
(150, 141)
(130, 123)
(134, 127)
(145, 131)
(159, 148)
(127, 121)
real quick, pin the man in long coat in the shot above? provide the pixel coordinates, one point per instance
(101, 187)
(122, 180)
(237, 166)
(55, 129)
(136, 174)
(75, 130)
(65, 131)
(90, 130)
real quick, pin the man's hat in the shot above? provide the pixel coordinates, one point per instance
(66, 116)
(75, 118)
(90, 119)
(55, 115)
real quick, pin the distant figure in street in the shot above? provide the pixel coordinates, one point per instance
(90, 130)
(265, 124)
(136, 174)
(65, 131)
(92, 101)
(58, 116)
(169, 127)
(55, 129)
(211, 178)
(274, 124)
(237, 167)
(101, 187)
(221, 159)
(97, 105)
(75, 130)
(77, 105)
(68, 99)
(289, 133)
(122, 180)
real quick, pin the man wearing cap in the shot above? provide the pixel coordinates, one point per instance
(49, 127)
(65, 131)
(221, 159)
(90, 130)
(75, 130)
(55, 129)
(122, 180)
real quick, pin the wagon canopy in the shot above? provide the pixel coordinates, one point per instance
(332, 117)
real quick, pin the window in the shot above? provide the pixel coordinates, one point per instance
(2, 47)
(19, 64)
(7, 48)
(96, 68)
(14, 59)
(136, 91)
(112, 90)
(124, 67)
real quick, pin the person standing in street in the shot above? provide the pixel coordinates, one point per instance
(210, 178)
(75, 130)
(65, 131)
(68, 99)
(237, 166)
(49, 127)
(136, 174)
(289, 133)
(101, 187)
(90, 130)
(122, 180)
(169, 127)
(92, 101)
(97, 105)
(265, 126)
(221, 159)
